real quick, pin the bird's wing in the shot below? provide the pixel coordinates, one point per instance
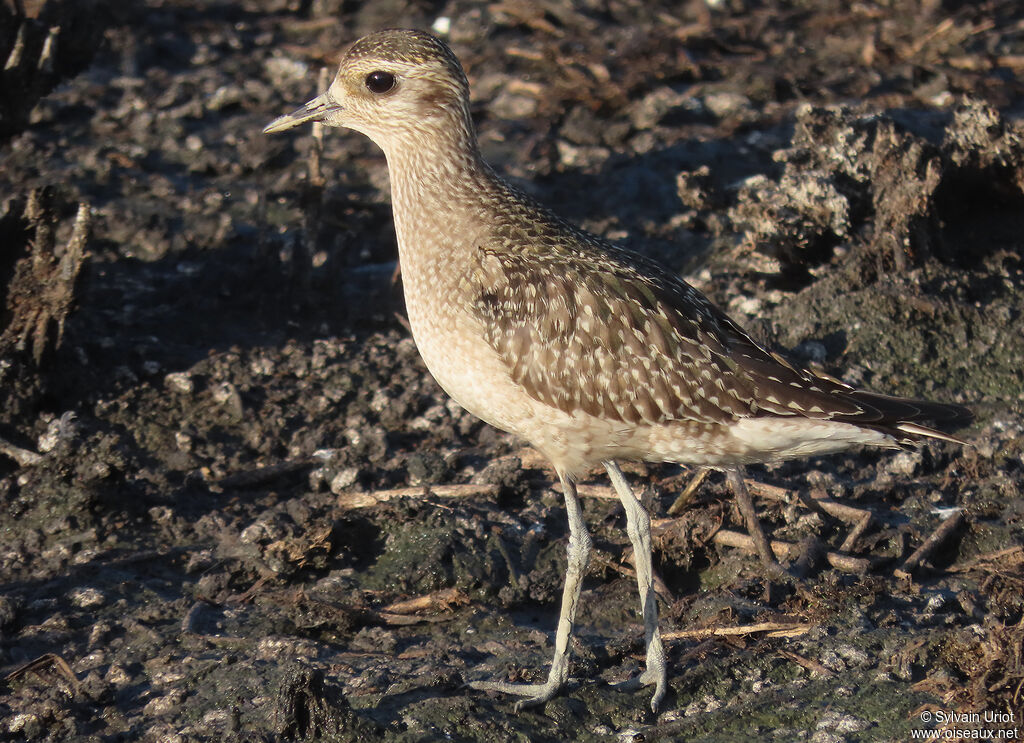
(584, 326)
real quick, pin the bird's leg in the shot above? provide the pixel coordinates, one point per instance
(774, 570)
(638, 527)
(579, 555)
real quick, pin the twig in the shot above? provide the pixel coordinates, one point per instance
(764, 490)
(758, 540)
(841, 511)
(922, 553)
(729, 538)
(773, 629)
(861, 519)
(786, 550)
(1010, 60)
(660, 587)
(585, 490)
(316, 176)
(45, 661)
(856, 532)
(402, 620)
(455, 490)
(816, 501)
(442, 600)
(686, 496)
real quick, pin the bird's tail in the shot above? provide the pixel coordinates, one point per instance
(900, 416)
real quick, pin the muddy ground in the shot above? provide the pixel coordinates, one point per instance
(235, 506)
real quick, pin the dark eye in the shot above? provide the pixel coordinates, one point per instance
(380, 82)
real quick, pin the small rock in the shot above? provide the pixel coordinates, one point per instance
(183, 441)
(87, 598)
(572, 156)
(905, 462)
(179, 382)
(812, 351)
(661, 104)
(283, 70)
(226, 395)
(512, 105)
(727, 104)
(831, 660)
(344, 479)
(441, 25)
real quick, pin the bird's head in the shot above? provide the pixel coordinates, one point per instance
(393, 86)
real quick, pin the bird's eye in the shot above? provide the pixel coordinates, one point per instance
(380, 82)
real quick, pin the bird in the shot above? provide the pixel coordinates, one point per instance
(591, 352)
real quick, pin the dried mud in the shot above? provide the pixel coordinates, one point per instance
(234, 505)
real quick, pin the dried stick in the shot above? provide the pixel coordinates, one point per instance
(786, 550)
(456, 490)
(437, 601)
(773, 629)
(922, 553)
(684, 498)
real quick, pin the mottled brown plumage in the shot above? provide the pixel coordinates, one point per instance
(590, 352)
(560, 305)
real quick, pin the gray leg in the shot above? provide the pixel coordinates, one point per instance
(746, 504)
(638, 526)
(579, 555)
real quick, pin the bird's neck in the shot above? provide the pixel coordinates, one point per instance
(439, 184)
(436, 164)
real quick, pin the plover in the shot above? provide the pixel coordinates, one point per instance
(590, 352)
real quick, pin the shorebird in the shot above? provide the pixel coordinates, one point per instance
(590, 352)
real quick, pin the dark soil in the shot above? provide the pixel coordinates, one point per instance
(235, 506)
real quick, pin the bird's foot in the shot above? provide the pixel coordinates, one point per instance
(536, 694)
(656, 676)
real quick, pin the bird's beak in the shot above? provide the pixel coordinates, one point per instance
(317, 109)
